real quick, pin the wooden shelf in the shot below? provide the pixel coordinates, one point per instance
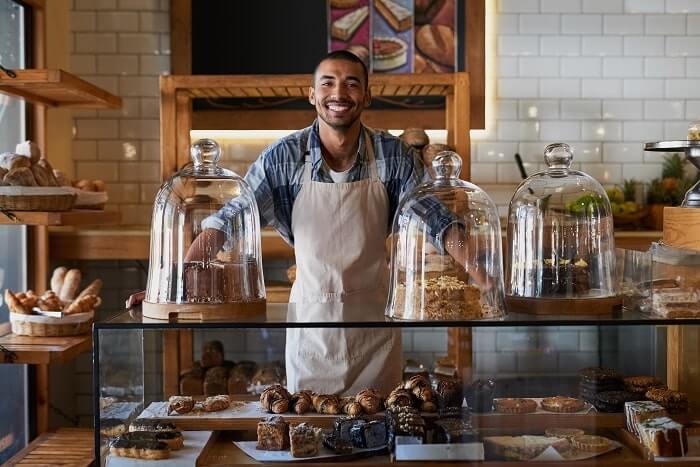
(57, 88)
(75, 217)
(44, 350)
(70, 447)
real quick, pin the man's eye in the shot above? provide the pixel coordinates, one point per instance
(327, 83)
(352, 85)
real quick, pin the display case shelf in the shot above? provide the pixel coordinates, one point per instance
(75, 217)
(57, 88)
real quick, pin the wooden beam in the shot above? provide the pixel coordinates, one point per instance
(171, 364)
(296, 119)
(475, 60)
(183, 123)
(181, 37)
(168, 125)
(460, 125)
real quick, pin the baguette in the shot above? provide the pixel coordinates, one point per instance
(83, 304)
(93, 289)
(59, 274)
(71, 284)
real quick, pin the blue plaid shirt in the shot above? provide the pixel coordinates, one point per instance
(276, 178)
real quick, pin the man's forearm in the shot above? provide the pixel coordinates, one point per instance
(206, 245)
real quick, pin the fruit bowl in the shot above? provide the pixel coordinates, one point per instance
(628, 219)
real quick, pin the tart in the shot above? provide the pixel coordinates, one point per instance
(388, 53)
(517, 406)
(591, 443)
(562, 404)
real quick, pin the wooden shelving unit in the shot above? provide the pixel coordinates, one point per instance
(44, 350)
(69, 447)
(75, 217)
(57, 88)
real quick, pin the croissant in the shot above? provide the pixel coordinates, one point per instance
(302, 402)
(326, 403)
(419, 386)
(15, 304)
(49, 301)
(350, 406)
(275, 399)
(83, 304)
(399, 397)
(370, 400)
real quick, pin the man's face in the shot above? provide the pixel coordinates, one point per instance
(339, 93)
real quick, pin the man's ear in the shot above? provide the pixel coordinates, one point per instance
(368, 98)
(312, 96)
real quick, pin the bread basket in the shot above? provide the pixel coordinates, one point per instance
(45, 326)
(90, 199)
(19, 198)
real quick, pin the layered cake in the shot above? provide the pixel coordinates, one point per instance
(273, 434)
(568, 277)
(397, 16)
(637, 412)
(345, 27)
(663, 437)
(442, 298)
(677, 302)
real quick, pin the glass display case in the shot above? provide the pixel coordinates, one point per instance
(516, 388)
(205, 259)
(435, 276)
(561, 248)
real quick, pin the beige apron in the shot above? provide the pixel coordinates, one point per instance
(339, 232)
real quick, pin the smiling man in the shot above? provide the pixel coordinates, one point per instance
(331, 190)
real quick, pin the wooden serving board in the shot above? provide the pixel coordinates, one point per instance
(564, 306)
(682, 228)
(324, 454)
(203, 311)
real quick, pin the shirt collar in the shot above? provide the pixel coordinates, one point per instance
(317, 164)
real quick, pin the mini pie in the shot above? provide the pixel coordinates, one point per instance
(591, 443)
(517, 406)
(388, 53)
(562, 404)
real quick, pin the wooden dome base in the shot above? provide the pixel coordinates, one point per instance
(204, 311)
(682, 228)
(564, 306)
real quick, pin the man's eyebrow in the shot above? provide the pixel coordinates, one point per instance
(326, 77)
(347, 78)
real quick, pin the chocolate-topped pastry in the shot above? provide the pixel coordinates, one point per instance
(594, 380)
(449, 395)
(370, 400)
(613, 401)
(112, 427)
(368, 435)
(212, 354)
(141, 449)
(399, 397)
(173, 439)
(337, 445)
(454, 430)
(419, 386)
(480, 395)
(273, 434)
(275, 399)
(151, 424)
(565, 277)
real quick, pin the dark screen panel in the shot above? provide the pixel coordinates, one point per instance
(257, 37)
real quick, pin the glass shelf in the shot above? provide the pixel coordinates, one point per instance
(364, 316)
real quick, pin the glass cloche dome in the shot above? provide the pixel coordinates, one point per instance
(446, 259)
(560, 238)
(205, 258)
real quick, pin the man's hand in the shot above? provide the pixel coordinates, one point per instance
(205, 246)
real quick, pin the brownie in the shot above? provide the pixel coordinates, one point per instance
(454, 430)
(449, 396)
(613, 401)
(594, 380)
(337, 445)
(368, 435)
(568, 277)
(342, 427)
(480, 395)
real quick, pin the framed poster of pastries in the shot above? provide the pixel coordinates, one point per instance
(349, 27)
(435, 36)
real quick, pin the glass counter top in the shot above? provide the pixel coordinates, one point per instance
(340, 315)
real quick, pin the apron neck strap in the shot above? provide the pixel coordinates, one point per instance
(369, 151)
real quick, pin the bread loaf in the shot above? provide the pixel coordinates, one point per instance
(93, 289)
(59, 274)
(10, 161)
(22, 176)
(42, 175)
(99, 185)
(52, 180)
(29, 149)
(437, 42)
(71, 284)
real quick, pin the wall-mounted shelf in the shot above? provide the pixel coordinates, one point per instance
(57, 88)
(75, 217)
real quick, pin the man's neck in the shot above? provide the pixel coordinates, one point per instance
(339, 146)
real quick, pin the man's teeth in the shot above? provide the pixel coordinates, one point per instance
(338, 108)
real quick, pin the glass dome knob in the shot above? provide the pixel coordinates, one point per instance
(205, 151)
(558, 156)
(447, 164)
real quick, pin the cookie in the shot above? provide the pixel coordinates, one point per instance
(590, 443)
(567, 433)
(515, 405)
(112, 427)
(673, 401)
(613, 401)
(562, 404)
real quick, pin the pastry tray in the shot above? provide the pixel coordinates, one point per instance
(324, 453)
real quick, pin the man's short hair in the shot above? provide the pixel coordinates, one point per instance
(348, 57)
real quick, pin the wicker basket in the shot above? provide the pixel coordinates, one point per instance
(90, 199)
(36, 199)
(44, 326)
